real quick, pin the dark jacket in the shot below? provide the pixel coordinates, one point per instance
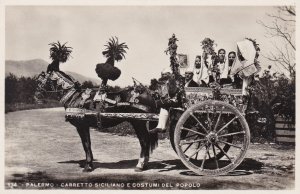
(192, 84)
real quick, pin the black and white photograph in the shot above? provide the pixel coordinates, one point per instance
(141, 95)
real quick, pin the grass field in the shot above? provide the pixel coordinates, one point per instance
(24, 106)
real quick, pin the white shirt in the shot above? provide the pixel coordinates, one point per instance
(197, 75)
(201, 74)
(224, 69)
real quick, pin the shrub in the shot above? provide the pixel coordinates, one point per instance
(274, 95)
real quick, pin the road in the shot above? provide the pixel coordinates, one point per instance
(42, 151)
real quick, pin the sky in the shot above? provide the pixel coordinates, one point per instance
(145, 29)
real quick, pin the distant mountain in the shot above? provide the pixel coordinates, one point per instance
(26, 68)
(82, 78)
(30, 68)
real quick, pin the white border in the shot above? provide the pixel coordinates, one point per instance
(4, 3)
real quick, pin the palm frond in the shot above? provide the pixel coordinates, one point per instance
(115, 50)
(60, 52)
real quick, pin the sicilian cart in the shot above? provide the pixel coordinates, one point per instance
(208, 132)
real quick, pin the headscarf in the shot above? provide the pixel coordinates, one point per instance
(247, 50)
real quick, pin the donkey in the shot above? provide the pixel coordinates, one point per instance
(73, 96)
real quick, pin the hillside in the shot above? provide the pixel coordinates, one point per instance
(30, 68)
(26, 68)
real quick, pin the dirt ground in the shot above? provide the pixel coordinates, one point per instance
(42, 151)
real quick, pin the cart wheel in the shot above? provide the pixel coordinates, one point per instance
(212, 129)
(174, 117)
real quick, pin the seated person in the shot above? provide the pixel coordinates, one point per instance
(189, 82)
(221, 68)
(200, 72)
(246, 65)
(218, 67)
(228, 80)
(235, 79)
(170, 96)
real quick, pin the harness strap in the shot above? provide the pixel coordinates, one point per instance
(67, 96)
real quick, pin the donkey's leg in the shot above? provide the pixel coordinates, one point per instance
(142, 134)
(84, 133)
(147, 143)
(144, 156)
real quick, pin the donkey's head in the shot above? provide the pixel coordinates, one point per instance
(53, 82)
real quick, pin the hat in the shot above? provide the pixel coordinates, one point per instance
(247, 50)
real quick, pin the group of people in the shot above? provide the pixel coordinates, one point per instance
(237, 72)
(219, 70)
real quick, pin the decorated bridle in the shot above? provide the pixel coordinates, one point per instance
(62, 81)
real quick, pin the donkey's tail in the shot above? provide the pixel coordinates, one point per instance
(153, 141)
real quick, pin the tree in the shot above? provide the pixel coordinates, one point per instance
(273, 95)
(26, 88)
(19, 90)
(282, 27)
(11, 83)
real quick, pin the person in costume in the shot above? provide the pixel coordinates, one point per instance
(189, 82)
(235, 79)
(169, 96)
(221, 68)
(201, 76)
(246, 63)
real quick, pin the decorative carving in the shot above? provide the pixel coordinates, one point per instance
(198, 94)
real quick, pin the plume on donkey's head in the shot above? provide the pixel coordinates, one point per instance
(114, 51)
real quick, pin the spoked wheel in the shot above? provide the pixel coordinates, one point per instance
(216, 138)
